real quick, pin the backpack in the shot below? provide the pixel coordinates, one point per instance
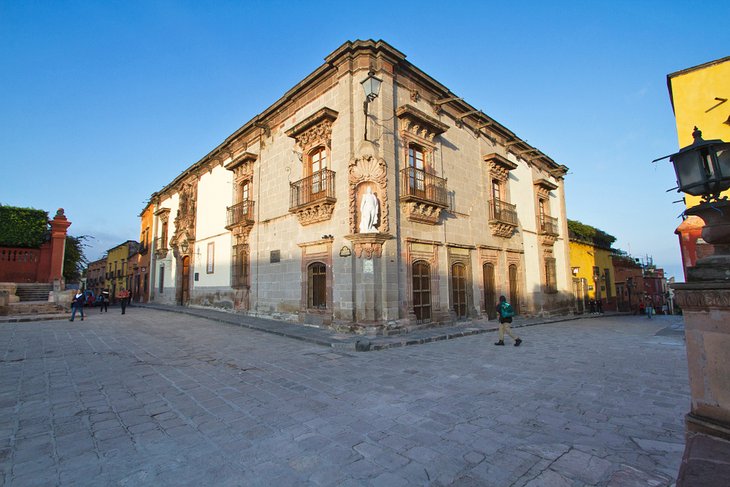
(505, 310)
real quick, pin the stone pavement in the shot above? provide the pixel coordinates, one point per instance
(159, 398)
(327, 337)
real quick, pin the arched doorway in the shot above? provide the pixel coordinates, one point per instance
(458, 289)
(514, 296)
(422, 291)
(490, 295)
(185, 294)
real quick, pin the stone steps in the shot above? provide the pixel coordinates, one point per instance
(33, 292)
(34, 308)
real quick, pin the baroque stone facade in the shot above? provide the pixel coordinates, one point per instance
(424, 216)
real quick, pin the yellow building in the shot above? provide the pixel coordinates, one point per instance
(117, 261)
(592, 266)
(700, 98)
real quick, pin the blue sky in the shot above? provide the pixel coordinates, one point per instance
(103, 103)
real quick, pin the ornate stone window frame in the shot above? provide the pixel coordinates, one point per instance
(543, 187)
(317, 251)
(163, 216)
(311, 133)
(242, 166)
(499, 168)
(420, 130)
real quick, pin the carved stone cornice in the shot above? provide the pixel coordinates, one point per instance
(502, 229)
(499, 166)
(543, 187)
(242, 165)
(368, 245)
(241, 232)
(163, 214)
(692, 296)
(422, 212)
(314, 130)
(419, 125)
(316, 212)
(548, 239)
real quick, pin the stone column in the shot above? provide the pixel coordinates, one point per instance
(705, 302)
(59, 226)
(368, 271)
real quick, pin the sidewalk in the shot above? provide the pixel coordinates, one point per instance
(360, 343)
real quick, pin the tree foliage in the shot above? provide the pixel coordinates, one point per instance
(74, 260)
(589, 234)
(23, 227)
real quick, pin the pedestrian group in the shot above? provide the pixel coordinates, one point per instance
(81, 299)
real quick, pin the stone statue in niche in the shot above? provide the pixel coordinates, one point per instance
(369, 212)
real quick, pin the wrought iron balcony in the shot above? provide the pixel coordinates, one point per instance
(502, 212)
(419, 186)
(549, 226)
(240, 214)
(319, 187)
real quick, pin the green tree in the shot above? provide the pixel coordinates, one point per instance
(587, 233)
(74, 261)
(23, 227)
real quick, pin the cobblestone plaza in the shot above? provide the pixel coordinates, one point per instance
(159, 398)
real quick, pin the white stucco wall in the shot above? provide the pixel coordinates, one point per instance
(215, 195)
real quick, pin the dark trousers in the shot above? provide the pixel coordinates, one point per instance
(104, 306)
(124, 305)
(75, 308)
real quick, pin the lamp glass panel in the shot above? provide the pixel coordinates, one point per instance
(723, 159)
(367, 85)
(690, 172)
(375, 86)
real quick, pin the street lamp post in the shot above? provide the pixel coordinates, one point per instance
(703, 169)
(371, 85)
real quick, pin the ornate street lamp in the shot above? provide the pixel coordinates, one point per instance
(371, 85)
(703, 169)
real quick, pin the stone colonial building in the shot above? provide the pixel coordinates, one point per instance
(404, 208)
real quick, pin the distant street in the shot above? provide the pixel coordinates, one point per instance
(164, 399)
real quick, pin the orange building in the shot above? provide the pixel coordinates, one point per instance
(140, 267)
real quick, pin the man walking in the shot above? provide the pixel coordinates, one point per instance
(77, 305)
(505, 313)
(104, 305)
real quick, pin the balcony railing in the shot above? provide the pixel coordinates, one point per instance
(502, 212)
(320, 186)
(417, 184)
(240, 214)
(160, 243)
(549, 226)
